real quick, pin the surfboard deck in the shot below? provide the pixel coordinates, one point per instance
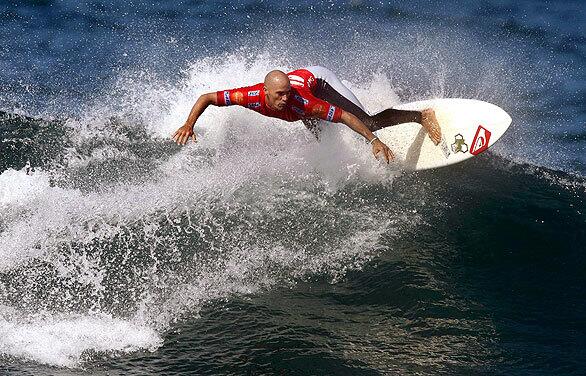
(469, 127)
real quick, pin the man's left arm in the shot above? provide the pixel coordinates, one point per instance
(352, 122)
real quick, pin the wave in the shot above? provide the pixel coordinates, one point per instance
(88, 243)
(112, 225)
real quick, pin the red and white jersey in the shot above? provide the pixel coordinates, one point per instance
(302, 104)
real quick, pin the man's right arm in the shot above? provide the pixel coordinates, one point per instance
(181, 136)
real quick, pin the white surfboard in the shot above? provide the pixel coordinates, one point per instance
(469, 127)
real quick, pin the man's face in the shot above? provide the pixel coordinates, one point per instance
(277, 94)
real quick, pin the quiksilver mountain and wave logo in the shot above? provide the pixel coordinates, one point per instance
(480, 141)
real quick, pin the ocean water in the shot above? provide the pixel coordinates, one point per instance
(257, 250)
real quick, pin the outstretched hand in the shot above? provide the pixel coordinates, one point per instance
(181, 135)
(379, 147)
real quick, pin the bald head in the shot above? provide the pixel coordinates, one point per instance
(277, 89)
(276, 78)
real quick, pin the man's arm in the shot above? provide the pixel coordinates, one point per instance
(359, 127)
(181, 136)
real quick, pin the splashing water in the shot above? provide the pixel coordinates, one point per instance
(134, 233)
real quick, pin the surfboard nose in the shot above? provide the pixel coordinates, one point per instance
(469, 127)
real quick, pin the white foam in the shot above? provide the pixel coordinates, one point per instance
(20, 187)
(243, 163)
(65, 341)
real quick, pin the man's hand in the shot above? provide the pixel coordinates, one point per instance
(359, 127)
(379, 147)
(181, 135)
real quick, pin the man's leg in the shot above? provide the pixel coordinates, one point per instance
(330, 89)
(391, 116)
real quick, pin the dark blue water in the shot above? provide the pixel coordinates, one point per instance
(257, 250)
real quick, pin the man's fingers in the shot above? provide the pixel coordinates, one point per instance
(384, 150)
(181, 136)
(390, 155)
(177, 136)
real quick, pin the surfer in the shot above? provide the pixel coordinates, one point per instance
(310, 94)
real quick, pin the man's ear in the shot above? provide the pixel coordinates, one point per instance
(264, 88)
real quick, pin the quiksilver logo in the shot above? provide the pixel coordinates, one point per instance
(480, 141)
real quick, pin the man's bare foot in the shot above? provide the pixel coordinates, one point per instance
(429, 122)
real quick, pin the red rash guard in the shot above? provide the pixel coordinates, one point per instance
(302, 104)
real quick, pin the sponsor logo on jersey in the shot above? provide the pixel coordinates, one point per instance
(298, 110)
(253, 93)
(310, 81)
(238, 97)
(331, 112)
(301, 99)
(227, 98)
(459, 145)
(317, 110)
(480, 141)
(253, 105)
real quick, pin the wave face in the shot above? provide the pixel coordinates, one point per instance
(258, 250)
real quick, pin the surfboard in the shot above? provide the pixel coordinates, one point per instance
(469, 128)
